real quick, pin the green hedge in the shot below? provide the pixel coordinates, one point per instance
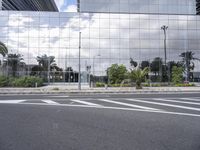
(27, 81)
(3, 81)
(100, 84)
(185, 85)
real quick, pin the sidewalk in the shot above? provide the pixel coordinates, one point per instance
(86, 90)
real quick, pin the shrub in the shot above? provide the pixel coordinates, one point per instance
(100, 84)
(185, 85)
(27, 82)
(177, 75)
(3, 81)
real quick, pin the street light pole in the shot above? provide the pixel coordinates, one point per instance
(164, 28)
(79, 60)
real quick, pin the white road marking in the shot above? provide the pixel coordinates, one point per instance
(58, 96)
(164, 104)
(175, 101)
(84, 102)
(126, 104)
(114, 108)
(190, 99)
(50, 102)
(11, 101)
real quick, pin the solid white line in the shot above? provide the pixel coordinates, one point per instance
(190, 99)
(175, 101)
(11, 101)
(113, 108)
(126, 104)
(84, 102)
(164, 104)
(50, 102)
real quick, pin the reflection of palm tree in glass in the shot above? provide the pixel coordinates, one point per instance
(14, 61)
(45, 62)
(188, 62)
(3, 49)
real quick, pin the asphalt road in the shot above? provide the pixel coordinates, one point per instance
(100, 122)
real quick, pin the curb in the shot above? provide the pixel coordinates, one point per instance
(97, 92)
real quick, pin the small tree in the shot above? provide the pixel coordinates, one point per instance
(116, 73)
(138, 75)
(177, 75)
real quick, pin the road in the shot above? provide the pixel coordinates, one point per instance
(100, 122)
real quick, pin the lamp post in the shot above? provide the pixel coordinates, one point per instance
(79, 63)
(164, 28)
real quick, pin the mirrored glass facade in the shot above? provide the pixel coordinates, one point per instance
(139, 6)
(106, 39)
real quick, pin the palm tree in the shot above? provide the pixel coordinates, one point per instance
(45, 63)
(14, 61)
(3, 49)
(138, 75)
(188, 62)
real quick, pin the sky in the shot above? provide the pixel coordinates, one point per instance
(66, 5)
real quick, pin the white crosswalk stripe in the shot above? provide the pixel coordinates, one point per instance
(175, 101)
(164, 104)
(50, 102)
(11, 101)
(127, 104)
(86, 103)
(191, 99)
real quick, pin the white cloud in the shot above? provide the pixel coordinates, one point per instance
(71, 8)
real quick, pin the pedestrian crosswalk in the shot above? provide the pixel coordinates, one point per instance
(189, 105)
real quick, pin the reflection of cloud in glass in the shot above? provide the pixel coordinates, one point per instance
(115, 37)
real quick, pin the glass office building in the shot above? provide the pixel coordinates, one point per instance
(139, 6)
(106, 39)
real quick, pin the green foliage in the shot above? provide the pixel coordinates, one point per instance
(138, 75)
(3, 81)
(100, 84)
(117, 73)
(185, 85)
(14, 61)
(27, 82)
(20, 82)
(177, 75)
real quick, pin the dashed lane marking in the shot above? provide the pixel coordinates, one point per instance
(50, 102)
(84, 102)
(126, 104)
(164, 104)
